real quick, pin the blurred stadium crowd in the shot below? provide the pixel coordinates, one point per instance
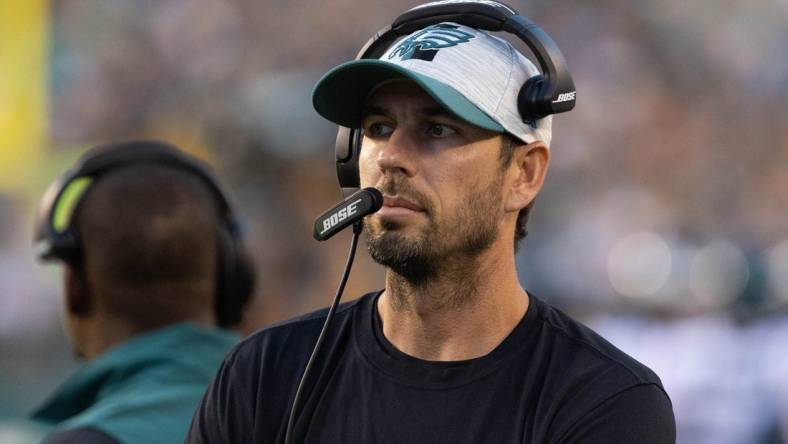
(663, 223)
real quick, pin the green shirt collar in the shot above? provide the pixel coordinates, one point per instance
(193, 351)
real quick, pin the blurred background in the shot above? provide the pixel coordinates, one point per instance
(663, 223)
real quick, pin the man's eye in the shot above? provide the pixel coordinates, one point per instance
(378, 129)
(439, 130)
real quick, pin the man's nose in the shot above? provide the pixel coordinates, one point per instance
(399, 154)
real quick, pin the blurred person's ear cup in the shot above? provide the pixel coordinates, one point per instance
(549, 93)
(57, 236)
(54, 237)
(236, 279)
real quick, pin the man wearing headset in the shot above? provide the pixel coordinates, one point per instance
(139, 293)
(453, 350)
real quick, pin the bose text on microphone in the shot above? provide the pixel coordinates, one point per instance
(352, 209)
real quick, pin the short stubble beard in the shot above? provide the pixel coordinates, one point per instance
(449, 251)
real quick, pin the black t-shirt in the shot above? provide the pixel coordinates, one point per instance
(552, 380)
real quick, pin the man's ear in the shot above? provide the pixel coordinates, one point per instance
(527, 170)
(78, 299)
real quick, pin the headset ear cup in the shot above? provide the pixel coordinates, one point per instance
(246, 281)
(527, 99)
(235, 280)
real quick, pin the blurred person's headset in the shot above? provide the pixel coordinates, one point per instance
(551, 92)
(57, 236)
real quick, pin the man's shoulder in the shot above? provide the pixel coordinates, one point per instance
(294, 336)
(585, 351)
(592, 382)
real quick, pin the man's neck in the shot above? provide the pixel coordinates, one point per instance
(107, 331)
(462, 313)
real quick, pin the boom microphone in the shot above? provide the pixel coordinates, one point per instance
(352, 209)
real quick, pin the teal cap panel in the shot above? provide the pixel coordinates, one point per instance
(340, 95)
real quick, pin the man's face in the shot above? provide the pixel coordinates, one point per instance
(441, 179)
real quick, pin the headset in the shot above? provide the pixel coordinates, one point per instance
(551, 92)
(57, 236)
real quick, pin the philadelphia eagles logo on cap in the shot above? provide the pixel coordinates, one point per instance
(424, 44)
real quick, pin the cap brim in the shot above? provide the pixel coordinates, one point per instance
(340, 95)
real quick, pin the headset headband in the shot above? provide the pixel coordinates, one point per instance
(55, 234)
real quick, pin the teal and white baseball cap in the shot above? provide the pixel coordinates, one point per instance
(472, 74)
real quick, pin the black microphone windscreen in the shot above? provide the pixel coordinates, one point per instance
(352, 209)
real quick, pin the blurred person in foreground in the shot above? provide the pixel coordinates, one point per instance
(453, 349)
(153, 266)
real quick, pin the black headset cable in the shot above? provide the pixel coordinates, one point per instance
(329, 317)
